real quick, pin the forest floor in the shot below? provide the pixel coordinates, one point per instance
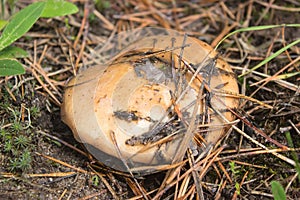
(40, 159)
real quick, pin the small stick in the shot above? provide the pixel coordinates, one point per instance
(294, 126)
(258, 152)
(62, 163)
(113, 137)
(63, 142)
(197, 180)
(84, 26)
(108, 24)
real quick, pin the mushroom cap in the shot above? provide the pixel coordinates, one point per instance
(119, 110)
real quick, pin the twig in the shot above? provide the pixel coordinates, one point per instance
(113, 137)
(62, 163)
(108, 24)
(84, 26)
(63, 142)
(274, 6)
(294, 126)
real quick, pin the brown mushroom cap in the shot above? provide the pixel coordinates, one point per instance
(128, 98)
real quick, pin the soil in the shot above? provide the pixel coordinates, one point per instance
(57, 170)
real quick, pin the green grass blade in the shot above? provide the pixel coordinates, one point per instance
(10, 67)
(2, 24)
(255, 28)
(294, 154)
(288, 75)
(278, 191)
(55, 8)
(13, 52)
(277, 53)
(258, 28)
(21, 23)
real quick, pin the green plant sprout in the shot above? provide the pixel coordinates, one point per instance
(102, 4)
(8, 146)
(16, 134)
(20, 24)
(95, 180)
(21, 141)
(25, 160)
(278, 191)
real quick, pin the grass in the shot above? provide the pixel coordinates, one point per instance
(16, 139)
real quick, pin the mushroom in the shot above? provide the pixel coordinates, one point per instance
(133, 113)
